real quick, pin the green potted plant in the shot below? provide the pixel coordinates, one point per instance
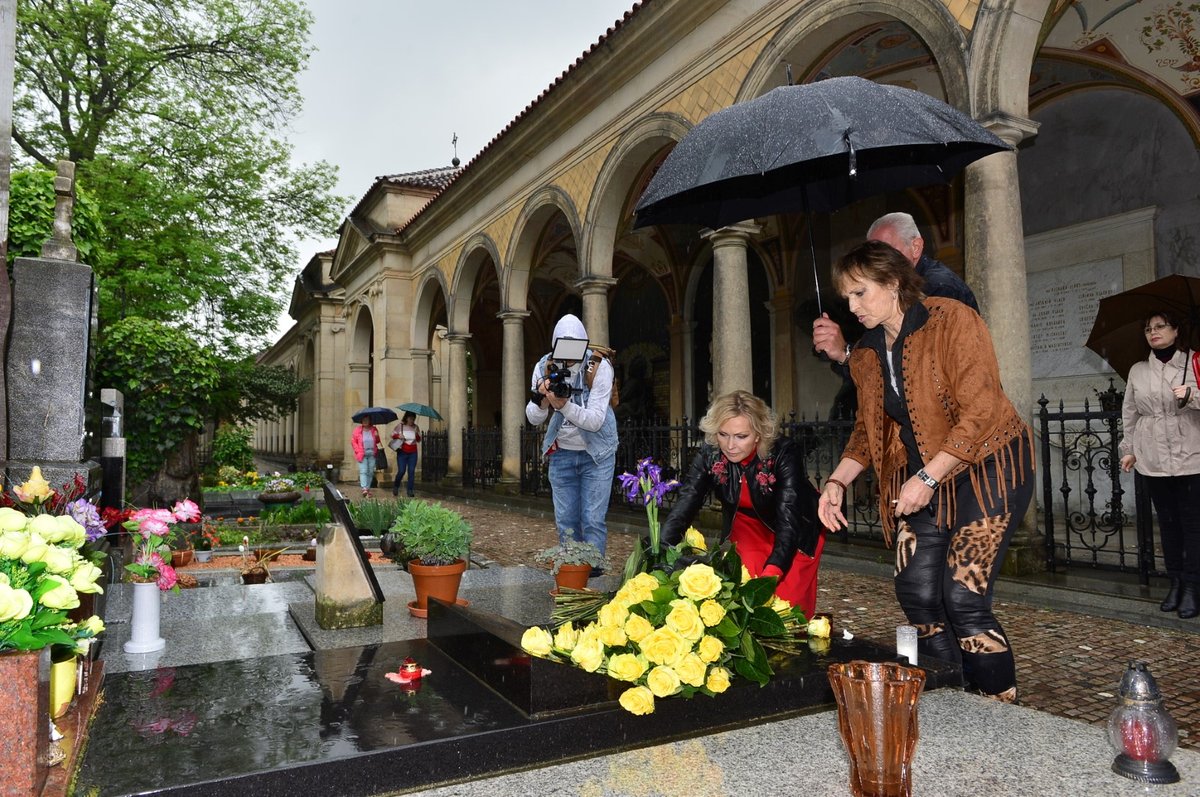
(572, 562)
(204, 539)
(437, 541)
(254, 566)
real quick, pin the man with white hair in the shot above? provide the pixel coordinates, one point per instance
(899, 231)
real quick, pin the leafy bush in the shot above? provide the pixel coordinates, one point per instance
(308, 479)
(375, 514)
(228, 474)
(432, 533)
(302, 513)
(231, 448)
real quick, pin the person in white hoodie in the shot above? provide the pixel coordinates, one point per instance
(580, 439)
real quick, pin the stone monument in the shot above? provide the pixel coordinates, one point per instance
(49, 355)
(348, 594)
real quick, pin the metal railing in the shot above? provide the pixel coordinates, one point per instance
(1087, 515)
(1085, 510)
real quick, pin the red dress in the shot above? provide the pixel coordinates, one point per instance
(755, 540)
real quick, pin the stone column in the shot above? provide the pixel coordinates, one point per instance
(457, 394)
(595, 307)
(780, 307)
(995, 266)
(732, 365)
(681, 341)
(420, 377)
(514, 391)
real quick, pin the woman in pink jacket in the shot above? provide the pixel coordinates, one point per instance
(365, 442)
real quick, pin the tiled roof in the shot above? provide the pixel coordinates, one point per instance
(436, 179)
(617, 25)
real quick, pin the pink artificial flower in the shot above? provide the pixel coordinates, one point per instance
(186, 510)
(153, 526)
(162, 515)
(166, 577)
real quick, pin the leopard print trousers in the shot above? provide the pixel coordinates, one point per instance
(944, 577)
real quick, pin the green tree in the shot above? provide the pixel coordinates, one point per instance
(177, 114)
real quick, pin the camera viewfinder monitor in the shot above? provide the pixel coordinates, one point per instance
(569, 349)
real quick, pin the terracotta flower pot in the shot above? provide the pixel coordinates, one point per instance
(573, 576)
(434, 581)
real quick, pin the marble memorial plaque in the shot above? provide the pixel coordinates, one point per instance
(1062, 308)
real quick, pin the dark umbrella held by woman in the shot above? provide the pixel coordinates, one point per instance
(1161, 419)
(769, 505)
(953, 455)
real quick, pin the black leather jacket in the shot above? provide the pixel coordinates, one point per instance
(782, 496)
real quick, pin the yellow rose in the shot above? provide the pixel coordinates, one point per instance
(664, 646)
(12, 520)
(690, 670)
(819, 644)
(636, 627)
(645, 582)
(613, 636)
(626, 667)
(663, 681)
(638, 700)
(35, 489)
(59, 560)
(72, 533)
(588, 653)
(710, 648)
(566, 637)
(685, 620)
(93, 625)
(780, 605)
(612, 614)
(13, 544)
(537, 641)
(718, 680)
(695, 539)
(699, 582)
(35, 550)
(819, 627)
(745, 574)
(47, 526)
(712, 613)
(61, 595)
(15, 604)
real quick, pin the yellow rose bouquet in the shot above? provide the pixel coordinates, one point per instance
(42, 574)
(682, 631)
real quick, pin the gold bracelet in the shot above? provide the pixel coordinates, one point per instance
(838, 483)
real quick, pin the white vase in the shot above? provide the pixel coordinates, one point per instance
(143, 635)
(203, 556)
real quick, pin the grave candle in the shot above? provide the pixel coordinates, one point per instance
(906, 643)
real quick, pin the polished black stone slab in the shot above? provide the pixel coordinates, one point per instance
(330, 723)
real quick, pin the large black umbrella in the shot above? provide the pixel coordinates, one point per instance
(1118, 333)
(376, 414)
(815, 147)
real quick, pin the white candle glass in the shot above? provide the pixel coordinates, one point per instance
(906, 643)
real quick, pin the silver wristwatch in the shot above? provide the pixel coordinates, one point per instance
(846, 358)
(929, 481)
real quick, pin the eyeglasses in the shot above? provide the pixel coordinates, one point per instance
(1158, 328)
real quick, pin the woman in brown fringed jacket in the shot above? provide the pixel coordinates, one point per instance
(954, 459)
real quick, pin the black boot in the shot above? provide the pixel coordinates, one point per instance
(1171, 602)
(1189, 601)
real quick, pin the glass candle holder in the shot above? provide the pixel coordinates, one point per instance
(1141, 731)
(906, 643)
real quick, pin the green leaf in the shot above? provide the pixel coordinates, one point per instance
(766, 622)
(758, 591)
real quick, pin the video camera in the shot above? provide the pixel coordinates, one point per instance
(558, 368)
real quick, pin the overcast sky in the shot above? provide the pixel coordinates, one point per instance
(390, 82)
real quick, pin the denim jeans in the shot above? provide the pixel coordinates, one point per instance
(366, 470)
(581, 489)
(405, 461)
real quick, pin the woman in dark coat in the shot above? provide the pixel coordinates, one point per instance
(769, 505)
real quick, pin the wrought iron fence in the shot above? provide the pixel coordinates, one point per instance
(1086, 515)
